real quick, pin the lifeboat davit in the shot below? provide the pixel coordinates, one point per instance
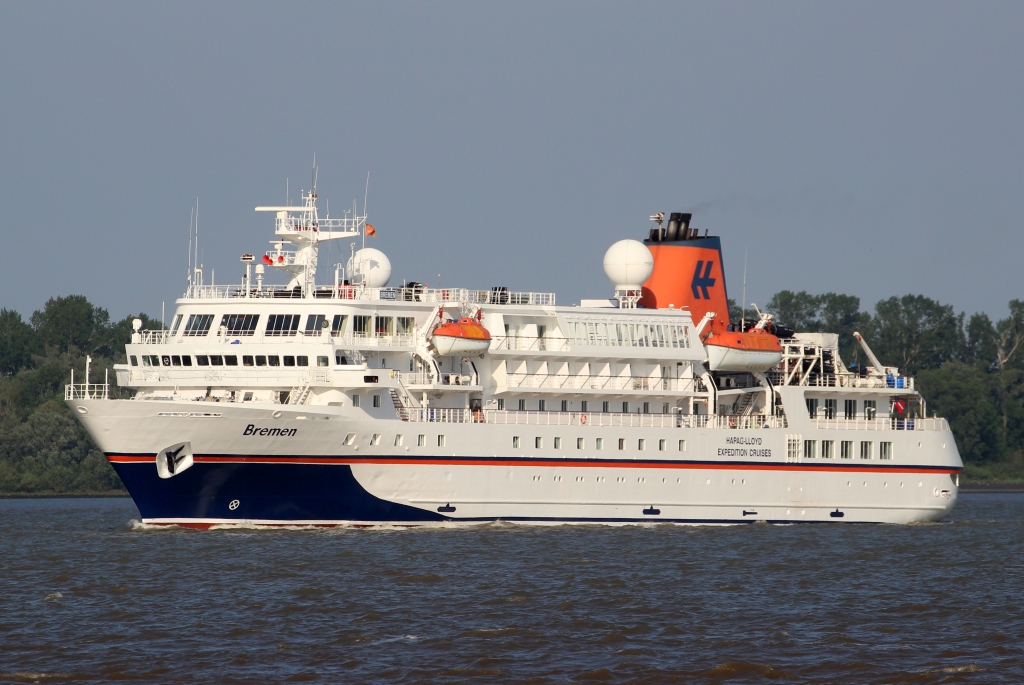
(465, 336)
(755, 350)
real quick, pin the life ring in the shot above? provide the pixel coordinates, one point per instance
(583, 419)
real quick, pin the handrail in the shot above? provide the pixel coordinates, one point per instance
(565, 382)
(358, 292)
(933, 424)
(592, 419)
(86, 391)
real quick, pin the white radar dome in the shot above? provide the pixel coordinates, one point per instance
(370, 267)
(628, 264)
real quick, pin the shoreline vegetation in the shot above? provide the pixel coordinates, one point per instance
(969, 369)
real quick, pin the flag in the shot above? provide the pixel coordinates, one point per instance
(370, 230)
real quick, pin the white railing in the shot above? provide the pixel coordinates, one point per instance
(524, 343)
(86, 391)
(356, 292)
(845, 380)
(240, 375)
(319, 335)
(594, 419)
(610, 383)
(883, 424)
(154, 337)
(424, 379)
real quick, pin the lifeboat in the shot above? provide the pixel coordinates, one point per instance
(755, 350)
(465, 336)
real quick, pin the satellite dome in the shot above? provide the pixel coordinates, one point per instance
(628, 264)
(370, 267)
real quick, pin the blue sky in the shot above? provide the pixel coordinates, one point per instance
(873, 149)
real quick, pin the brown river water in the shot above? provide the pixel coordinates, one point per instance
(89, 595)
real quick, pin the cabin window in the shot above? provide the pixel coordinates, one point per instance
(828, 449)
(682, 445)
(230, 360)
(174, 326)
(134, 360)
(793, 448)
(166, 360)
(338, 325)
(662, 445)
(360, 326)
(289, 360)
(421, 441)
(376, 400)
(625, 407)
(812, 407)
(622, 443)
(247, 360)
(515, 442)
(186, 360)
(810, 449)
(355, 400)
(522, 405)
(247, 397)
(885, 450)
(349, 439)
(239, 324)
(850, 409)
(302, 360)
(261, 360)
(175, 360)
(323, 361)
(501, 404)
(384, 325)
(869, 410)
(865, 449)
(198, 324)
(558, 443)
(540, 405)
(641, 444)
(399, 440)
(664, 408)
(583, 405)
(315, 323)
(340, 359)
(565, 405)
(405, 325)
(440, 441)
(283, 324)
(647, 407)
(846, 449)
(375, 439)
(599, 443)
(273, 360)
(604, 407)
(580, 443)
(831, 409)
(145, 360)
(216, 360)
(538, 442)
(202, 360)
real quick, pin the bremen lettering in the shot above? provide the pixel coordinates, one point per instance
(283, 432)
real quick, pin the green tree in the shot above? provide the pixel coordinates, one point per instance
(71, 321)
(799, 310)
(17, 342)
(962, 393)
(914, 332)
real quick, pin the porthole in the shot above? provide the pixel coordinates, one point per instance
(82, 410)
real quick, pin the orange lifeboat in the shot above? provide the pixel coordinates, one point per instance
(755, 350)
(465, 336)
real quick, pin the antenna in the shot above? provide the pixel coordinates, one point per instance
(743, 317)
(314, 174)
(196, 262)
(367, 193)
(191, 216)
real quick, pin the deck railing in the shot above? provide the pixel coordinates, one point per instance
(86, 391)
(591, 419)
(883, 424)
(355, 292)
(609, 383)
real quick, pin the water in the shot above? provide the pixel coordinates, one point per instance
(87, 596)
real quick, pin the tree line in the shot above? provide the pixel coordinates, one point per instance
(970, 370)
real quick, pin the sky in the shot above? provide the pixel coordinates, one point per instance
(873, 149)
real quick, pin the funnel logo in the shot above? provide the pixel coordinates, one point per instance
(700, 283)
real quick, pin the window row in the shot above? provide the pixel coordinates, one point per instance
(606, 407)
(581, 443)
(288, 325)
(831, 409)
(826, 449)
(628, 334)
(224, 360)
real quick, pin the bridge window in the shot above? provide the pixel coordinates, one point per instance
(289, 360)
(885, 450)
(850, 409)
(865, 449)
(201, 360)
(186, 360)
(216, 360)
(274, 360)
(338, 325)
(302, 360)
(198, 324)
(166, 359)
(846, 449)
(239, 324)
(283, 324)
(870, 410)
(177, 322)
(230, 360)
(831, 409)
(134, 360)
(261, 360)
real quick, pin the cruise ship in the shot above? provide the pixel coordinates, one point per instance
(361, 403)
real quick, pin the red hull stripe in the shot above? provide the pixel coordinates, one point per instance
(547, 463)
